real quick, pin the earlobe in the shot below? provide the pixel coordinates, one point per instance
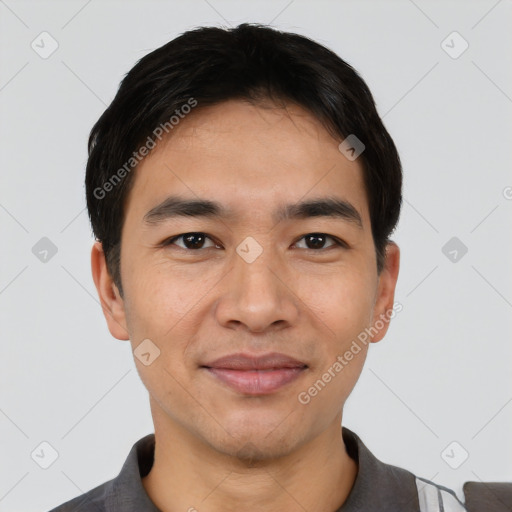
(111, 302)
(384, 309)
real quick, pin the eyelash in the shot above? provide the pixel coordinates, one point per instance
(337, 241)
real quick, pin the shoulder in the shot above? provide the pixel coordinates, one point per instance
(93, 500)
(434, 496)
(125, 491)
(430, 496)
(386, 487)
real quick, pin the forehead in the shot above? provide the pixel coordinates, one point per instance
(249, 158)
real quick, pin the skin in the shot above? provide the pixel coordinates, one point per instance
(216, 448)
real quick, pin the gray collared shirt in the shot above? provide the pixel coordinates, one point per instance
(378, 486)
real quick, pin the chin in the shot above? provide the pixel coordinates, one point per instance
(255, 439)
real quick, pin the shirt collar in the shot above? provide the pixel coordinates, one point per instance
(127, 493)
(378, 486)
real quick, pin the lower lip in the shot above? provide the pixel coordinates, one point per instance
(252, 382)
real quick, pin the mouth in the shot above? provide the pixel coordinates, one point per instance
(256, 375)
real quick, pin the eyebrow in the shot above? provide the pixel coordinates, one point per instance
(176, 206)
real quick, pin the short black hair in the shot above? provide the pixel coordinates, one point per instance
(252, 62)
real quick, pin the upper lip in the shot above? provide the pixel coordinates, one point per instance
(242, 361)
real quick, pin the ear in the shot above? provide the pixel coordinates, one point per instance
(385, 296)
(111, 302)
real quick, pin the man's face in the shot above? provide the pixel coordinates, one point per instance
(248, 283)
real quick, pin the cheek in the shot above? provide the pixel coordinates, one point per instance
(342, 300)
(159, 294)
(167, 307)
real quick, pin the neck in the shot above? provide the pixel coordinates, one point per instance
(190, 475)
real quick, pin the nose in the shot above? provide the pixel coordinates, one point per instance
(257, 296)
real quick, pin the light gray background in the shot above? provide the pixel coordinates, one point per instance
(441, 374)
